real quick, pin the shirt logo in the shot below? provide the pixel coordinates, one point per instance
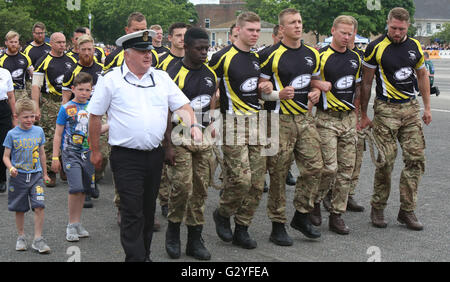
(59, 79)
(68, 65)
(256, 65)
(403, 73)
(209, 82)
(354, 64)
(21, 62)
(309, 61)
(249, 85)
(301, 81)
(17, 73)
(345, 82)
(199, 102)
(412, 55)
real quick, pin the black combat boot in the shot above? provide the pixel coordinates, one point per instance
(242, 238)
(173, 243)
(195, 247)
(279, 235)
(301, 222)
(223, 227)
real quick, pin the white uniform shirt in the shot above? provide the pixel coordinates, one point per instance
(137, 116)
(6, 83)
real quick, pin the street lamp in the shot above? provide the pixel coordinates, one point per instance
(90, 17)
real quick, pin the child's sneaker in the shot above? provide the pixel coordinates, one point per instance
(40, 245)
(21, 244)
(72, 233)
(82, 233)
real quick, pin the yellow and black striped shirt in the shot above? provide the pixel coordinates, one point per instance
(36, 52)
(95, 70)
(395, 65)
(285, 66)
(17, 65)
(54, 68)
(199, 86)
(343, 70)
(167, 60)
(238, 72)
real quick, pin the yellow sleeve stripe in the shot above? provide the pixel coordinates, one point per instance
(422, 59)
(276, 61)
(181, 77)
(323, 60)
(212, 71)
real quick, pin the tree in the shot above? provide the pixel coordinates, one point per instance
(318, 15)
(110, 17)
(14, 18)
(54, 14)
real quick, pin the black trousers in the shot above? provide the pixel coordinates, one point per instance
(137, 175)
(5, 126)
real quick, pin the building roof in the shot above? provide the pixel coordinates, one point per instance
(228, 24)
(432, 9)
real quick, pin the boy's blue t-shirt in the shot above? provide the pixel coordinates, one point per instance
(75, 119)
(24, 145)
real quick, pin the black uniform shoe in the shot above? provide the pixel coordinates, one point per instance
(88, 202)
(279, 235)
(195, 247)
(173, 243)
(301, 222)
(242, 238)
(290, 179)
(223, 227)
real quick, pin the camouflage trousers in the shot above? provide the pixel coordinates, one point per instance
(22, 93)
(164, 187)
(244, 168)
(49, 112)
(360, 148)
(189, 179)
(338, 136)
(299, 140)
(400, 122)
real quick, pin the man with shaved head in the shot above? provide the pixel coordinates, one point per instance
(48, 96)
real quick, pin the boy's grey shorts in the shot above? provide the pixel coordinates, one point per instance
(24, 190)
(79, 171)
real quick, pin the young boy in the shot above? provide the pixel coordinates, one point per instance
(24, 157)
(72, 133)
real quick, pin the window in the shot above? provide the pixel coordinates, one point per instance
(213, 39)
(438, 26)
(207, 23)
(428, 28)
